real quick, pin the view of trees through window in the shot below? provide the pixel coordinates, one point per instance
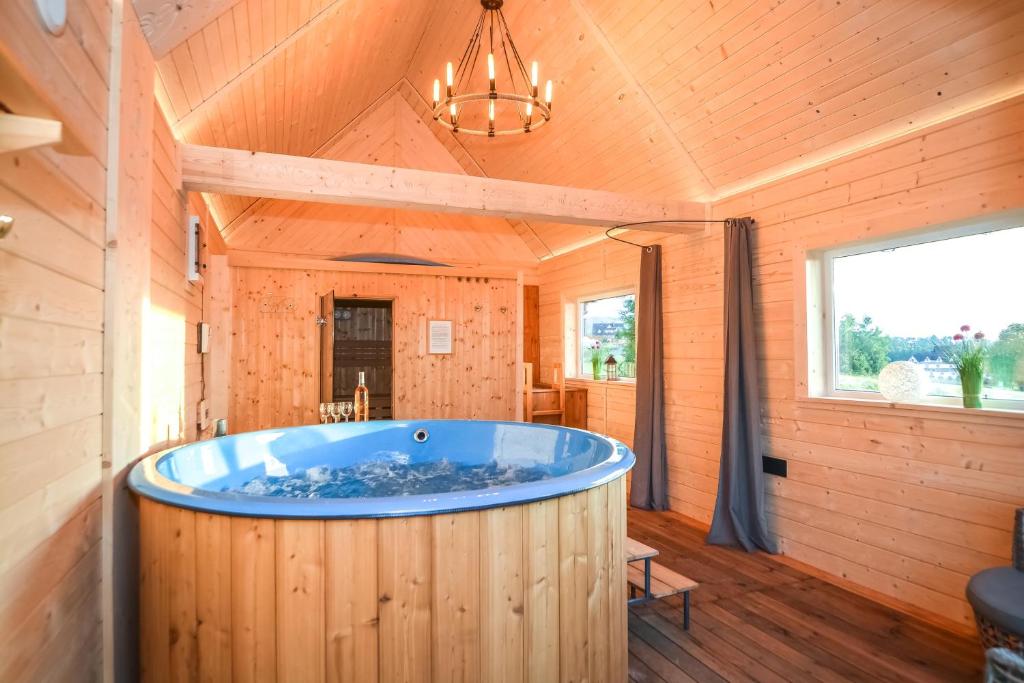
(608, 326)
(908, 303)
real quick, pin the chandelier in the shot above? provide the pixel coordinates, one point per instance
(461, 110)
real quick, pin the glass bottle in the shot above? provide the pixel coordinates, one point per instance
(362, 400)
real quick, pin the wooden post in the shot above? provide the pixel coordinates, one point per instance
(127, 277)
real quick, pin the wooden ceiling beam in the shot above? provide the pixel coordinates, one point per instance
(279, 176)
(168, 24)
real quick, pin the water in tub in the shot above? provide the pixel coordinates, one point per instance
(391, 473)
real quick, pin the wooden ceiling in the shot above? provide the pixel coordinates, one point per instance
(686, 99)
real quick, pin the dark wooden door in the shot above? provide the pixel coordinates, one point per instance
(362, 343)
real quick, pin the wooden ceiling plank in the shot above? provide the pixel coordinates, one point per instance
(758, 46)
(229, 41)
(880, 99)
(732, 79)
(243, 44)
(991, 84)
(279, 176)
(186, 123)
(325, 149)
(183, 64)
(167, 75)
(838, 67)
(167, 25)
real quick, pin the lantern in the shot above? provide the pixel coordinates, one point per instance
(611, 369)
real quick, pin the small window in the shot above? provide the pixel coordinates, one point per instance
(607, 326)
(908, 300)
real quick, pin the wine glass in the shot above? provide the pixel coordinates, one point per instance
(336, 412)
(346, 409)
(323, 413)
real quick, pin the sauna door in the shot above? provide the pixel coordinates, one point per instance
(362, 342)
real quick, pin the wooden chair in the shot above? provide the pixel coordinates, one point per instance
(543, 401)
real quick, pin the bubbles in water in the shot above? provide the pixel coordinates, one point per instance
(394, 474)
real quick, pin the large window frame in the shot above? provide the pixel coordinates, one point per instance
(573, 320)
(821, 353)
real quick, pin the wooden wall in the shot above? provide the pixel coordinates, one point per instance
(275, 356)
(904, 503)
(172, 364)
(51, 360)
(603, 267)
(909, 503)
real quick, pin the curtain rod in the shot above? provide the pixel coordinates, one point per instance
(607, 233)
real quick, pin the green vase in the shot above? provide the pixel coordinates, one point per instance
(971, 386)
(595, 364)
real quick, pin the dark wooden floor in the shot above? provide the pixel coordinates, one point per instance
(755, 619)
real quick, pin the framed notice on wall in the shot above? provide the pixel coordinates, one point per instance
(439, 336)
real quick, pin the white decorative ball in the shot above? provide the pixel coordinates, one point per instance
(902, 382)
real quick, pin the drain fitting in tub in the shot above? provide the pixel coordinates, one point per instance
(420, 435)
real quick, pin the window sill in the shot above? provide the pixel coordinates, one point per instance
(629, 382)
(934, 411)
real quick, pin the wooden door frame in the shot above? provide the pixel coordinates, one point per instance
(393, 300)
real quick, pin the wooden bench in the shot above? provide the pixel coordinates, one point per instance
(655, 581)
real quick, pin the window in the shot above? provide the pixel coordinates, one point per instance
(906, 300)
(606, 326)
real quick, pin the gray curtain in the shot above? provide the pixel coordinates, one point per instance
(739, 518)
(649, 487)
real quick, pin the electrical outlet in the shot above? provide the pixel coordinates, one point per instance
(776, 466)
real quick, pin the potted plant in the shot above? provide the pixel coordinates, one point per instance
(968, 357)
(595, 358)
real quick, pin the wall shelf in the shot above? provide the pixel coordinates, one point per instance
(29, 117)
(25, 132)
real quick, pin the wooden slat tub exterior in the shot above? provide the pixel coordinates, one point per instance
(533, 592)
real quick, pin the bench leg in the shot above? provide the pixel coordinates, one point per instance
(686, 611)
(647, 578)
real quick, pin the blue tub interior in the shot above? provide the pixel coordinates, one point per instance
(208, 474)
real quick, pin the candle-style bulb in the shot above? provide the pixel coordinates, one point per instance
(449, 77)
(437, 91)
(529, 114)
(454, 112)
(490, 69)
(490, 110)
(533, 75)
(547, 93)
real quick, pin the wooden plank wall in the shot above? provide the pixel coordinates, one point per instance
(904, 503)
(603, 267)
(175, 305)
(907, 503)
(51, 360)
(275, 356)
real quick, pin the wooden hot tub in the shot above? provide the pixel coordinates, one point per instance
(524, 582)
